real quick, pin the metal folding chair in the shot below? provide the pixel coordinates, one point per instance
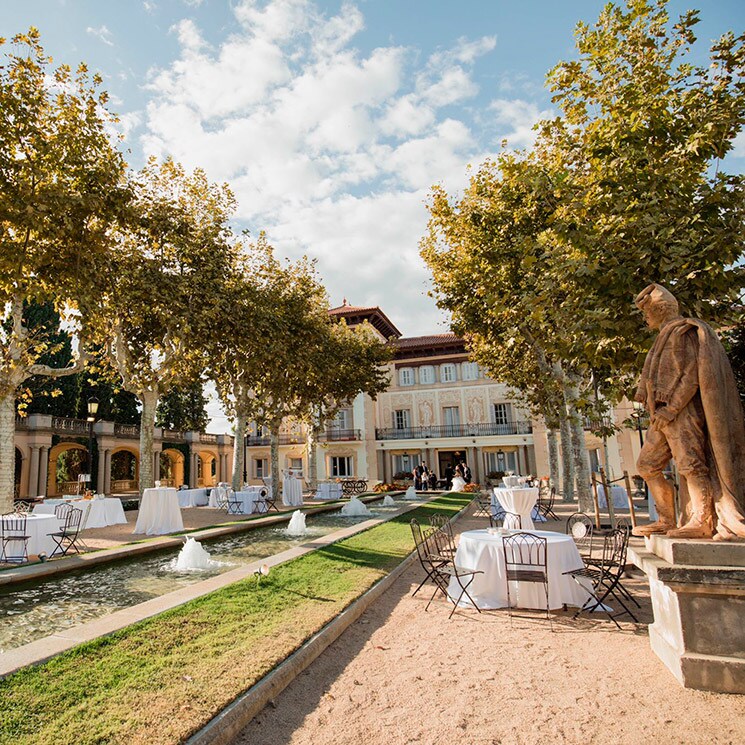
(14, 538)
(580, 527)
(546, 500)
(67, 538)
(605, 576)
(234, 505)
(526, 560)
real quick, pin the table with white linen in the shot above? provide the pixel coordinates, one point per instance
(192, 497)
(481, 550)
(510, 481)
(97, 513)
(620, 498)
(38, 526)
(159, 512)
(519, 500)
(329, 491)
(252, 499)
(292, 492)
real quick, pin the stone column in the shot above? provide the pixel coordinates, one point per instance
(107, 472)
(476, 457)
(33, 474)
(43, 484)
(193, 473)
(101, 474)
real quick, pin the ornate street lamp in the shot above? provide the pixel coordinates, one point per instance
(92, 411)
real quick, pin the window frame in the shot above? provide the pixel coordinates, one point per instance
(447, 368)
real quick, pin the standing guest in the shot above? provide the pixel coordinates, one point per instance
(417, 473)
(432, 480)
(449, 476)
(425, 478)
(466, 472)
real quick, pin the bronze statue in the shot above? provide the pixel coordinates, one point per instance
(696, 418)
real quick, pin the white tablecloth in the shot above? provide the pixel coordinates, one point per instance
(292, 492)
(519, 501)
(251, 499)
(620, 499)
(329, 491)
(97, 513)
(479, 549)
(37, 528)
(159, 512)
(510, 481)
(192, 497)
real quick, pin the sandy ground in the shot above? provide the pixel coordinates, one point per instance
(400, 675)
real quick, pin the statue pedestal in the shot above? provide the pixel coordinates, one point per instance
(698, 597)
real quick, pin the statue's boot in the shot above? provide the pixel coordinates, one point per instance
(701, 523)
(663, 495)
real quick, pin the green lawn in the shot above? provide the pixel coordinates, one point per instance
(162, 679)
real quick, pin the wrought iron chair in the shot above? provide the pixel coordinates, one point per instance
(271, 500)
(447, 543)
(14, 538)
(483, 505)
(507, 520)
(427, 560)
(580, 527)
(68, 537)
(62, 510)
(21, 507)
(234, 505)
(438, 553)
(605, 576)
(546, 500)
(222, 497)
(526, 560)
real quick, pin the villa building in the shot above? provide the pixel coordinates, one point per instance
(440, 409)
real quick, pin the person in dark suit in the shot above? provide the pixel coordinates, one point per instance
(449, 476)
(466, 472)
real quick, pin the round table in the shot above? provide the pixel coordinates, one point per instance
(620, 498)
(292, 492)
(192, 497)
(479, 549)
(97, 513)
(519, 500)
(159, 512)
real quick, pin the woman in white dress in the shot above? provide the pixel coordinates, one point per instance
(459, 483)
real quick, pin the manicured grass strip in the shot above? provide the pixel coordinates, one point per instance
(160, 680)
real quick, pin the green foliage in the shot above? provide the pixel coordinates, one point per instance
(183, 408)
(734, 342)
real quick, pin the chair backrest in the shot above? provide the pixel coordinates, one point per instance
(72, 520)
(507, 520)
(222, 495)
(442, 535)
(21, 507)
(416, 532)
(614, 549)
(580, 527)
(61, 510)
(525, 550)
(13, 524)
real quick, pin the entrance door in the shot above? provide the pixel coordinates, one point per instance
(447, 458)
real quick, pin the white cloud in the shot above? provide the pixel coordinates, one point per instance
(738, 146)
(329, 149)
(515, 119)
(149, 6)
(102, 33)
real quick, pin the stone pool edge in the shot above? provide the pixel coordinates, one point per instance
(42, 650)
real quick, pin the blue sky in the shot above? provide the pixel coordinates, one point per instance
(331, 119)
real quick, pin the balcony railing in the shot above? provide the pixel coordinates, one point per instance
(254, 440)
(127, 430)
(204, 437)
(339, 435)
(455, 430)
(173, 434)
(78, 426)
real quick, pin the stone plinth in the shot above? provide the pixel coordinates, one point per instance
(698, 596)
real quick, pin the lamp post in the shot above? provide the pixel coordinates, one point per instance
(92, 411)
(245, 458)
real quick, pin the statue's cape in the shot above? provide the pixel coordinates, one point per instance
(726, 426)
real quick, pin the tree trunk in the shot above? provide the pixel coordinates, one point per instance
(580, 456)
(149, 401)
(567, 465)
(239, 451)
(7, 451)
(553, 453)
(312, 444)
(274, 449)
